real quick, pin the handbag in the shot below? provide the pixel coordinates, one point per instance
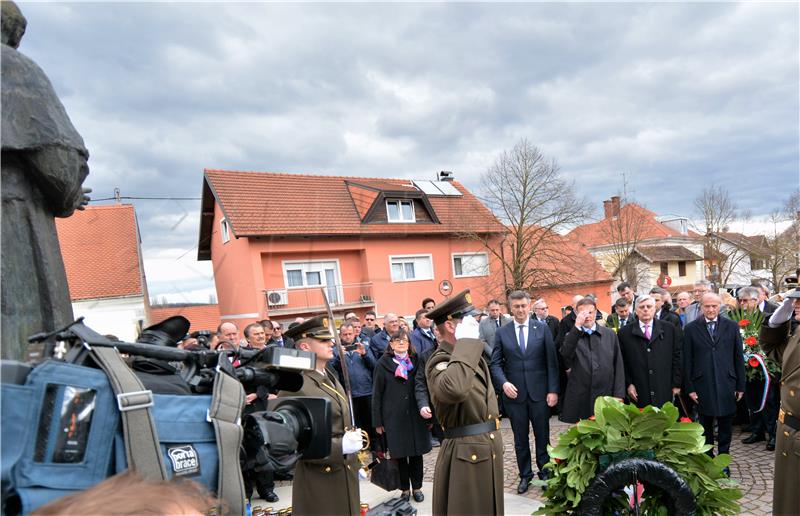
(385, 473)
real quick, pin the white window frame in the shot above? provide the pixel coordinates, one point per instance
(225, 230)
(401, 220)
(453, 257)
(404, 258)
(301, 264)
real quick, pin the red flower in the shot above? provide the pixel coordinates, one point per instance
(685, 420)
(641, 410)
(591, 418)
(753, 362)
(557, 460)
(744, 323)
(751, 341)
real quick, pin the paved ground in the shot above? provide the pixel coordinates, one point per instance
(751, 465)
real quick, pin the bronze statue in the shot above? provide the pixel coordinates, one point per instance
(43, 167)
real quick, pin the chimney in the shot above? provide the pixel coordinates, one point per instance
(607, 209)
(615, 206)
(445, 175)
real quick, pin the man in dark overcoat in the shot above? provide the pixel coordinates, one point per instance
(593, 361)
(652, 352)
(714, 366)
(778, 339)
(525, 365)
(469, 469)
(328, 485)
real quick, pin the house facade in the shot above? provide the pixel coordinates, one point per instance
(101, 248)
(736, 260)
(278, 240)
(633, 243)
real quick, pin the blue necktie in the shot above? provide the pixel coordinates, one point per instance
(711, 325)
(521, 338)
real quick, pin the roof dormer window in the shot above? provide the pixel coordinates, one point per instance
(400, 211)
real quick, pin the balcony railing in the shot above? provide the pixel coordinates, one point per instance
(284, 301)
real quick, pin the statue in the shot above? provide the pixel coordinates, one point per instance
(43, 168)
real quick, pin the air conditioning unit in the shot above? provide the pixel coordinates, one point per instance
(277, 297)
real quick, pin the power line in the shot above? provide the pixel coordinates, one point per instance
(149, 198)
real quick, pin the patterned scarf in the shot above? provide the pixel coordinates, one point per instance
(404, 365)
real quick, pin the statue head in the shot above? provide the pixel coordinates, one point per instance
(13, 24)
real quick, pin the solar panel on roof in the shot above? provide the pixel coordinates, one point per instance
(428, 187)
(447, 188)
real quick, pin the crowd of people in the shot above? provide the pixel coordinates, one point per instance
(644, 351)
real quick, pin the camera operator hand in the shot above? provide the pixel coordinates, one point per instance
(352, 441)
(360, 349)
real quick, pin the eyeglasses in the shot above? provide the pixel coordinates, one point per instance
(369, 319)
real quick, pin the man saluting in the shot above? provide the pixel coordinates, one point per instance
(469, 470)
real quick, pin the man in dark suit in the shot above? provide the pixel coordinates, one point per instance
(542, 312)
(714, 368)
(663, 312)
(621, 314)
(276, 338)
(525, 364)
(652, 354)
(422, 338)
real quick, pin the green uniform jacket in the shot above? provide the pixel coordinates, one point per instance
(329, 485)
(469, 470)
(785, 494)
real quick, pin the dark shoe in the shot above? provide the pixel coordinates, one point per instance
(269, 496)
(418, 496)
(727, 472)
(435, 443)
(405, 496)
(523, 485)
(771, 444)
(544, 474)
(754, 438)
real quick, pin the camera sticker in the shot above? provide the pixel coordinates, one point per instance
(75, 419)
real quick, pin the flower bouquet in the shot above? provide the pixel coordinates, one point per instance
(619, 433)
(758, 366)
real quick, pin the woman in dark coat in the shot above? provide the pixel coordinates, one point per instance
(394, 411)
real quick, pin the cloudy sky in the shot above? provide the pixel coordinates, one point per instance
(678, 96)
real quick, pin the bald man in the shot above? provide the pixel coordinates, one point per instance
(714, 367)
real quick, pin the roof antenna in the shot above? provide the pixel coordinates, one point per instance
(116, 196)
(444, 175)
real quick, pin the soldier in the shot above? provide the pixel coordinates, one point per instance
(779, 342)
(329, 485)
(469, 470)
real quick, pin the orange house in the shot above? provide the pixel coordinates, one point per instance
(276, 240)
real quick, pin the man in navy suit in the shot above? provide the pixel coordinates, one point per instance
(525, 364)
(714, 369)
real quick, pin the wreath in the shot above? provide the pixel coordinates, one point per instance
(619, 432)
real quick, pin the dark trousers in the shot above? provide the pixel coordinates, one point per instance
(362, 413)
(724, 432)
(766, 420)
(263, 482)
(410, 469)
(537, 413)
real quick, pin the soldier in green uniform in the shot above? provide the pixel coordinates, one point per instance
(469, 470)
(781, 344)
(329, 485)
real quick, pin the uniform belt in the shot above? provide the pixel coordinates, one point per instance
(788, 420)
(476, 429)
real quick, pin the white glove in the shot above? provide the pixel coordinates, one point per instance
(468, 328)
(782, 314)
(352, 441)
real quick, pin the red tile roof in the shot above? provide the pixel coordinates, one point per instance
(563, 262)
(262, 203)
(100, 247)
(643, 220)
(201, 317)
(362, 198)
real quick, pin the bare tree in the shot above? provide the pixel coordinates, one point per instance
(784, 245)
(623, 230)
(525, 190)
(719, 211)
